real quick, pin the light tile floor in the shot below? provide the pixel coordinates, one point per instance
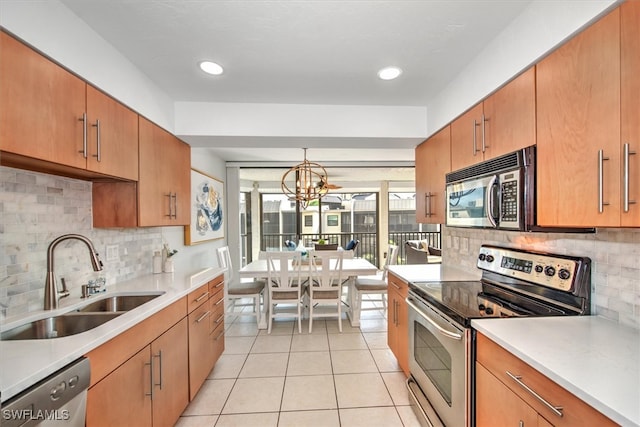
(325, 378)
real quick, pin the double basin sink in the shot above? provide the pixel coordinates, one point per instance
(89, 316)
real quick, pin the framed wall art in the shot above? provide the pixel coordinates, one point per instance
(207, 198)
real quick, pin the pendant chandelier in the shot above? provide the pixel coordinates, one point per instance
(310, 179)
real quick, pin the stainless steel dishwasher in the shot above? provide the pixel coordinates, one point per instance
(58, 400)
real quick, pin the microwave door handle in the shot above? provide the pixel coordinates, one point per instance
(490, 202)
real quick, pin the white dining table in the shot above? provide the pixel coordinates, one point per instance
(351, 268)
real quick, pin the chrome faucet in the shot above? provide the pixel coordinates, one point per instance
(51, 293)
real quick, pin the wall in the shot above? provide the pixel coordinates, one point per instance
(615, 256)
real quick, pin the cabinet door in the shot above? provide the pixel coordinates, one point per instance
(510, 116)
(497, 405)
(171, 375)
(433, 162)
(112, 136)
(164, 177)
(578, 117)
(466, 138)
(200, 347)
(122, 398)
(403, 335)
(630, 105)
(42, 106)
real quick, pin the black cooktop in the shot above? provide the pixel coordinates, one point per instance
(458, 300)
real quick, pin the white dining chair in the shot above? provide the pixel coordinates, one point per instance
(325, 285)
(285, 286)
(237, 290)
(374, 285)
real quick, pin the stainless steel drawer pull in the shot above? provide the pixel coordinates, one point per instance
(150, 365)
(518, 379)
(627, 153)
(601, 202)
(201, 318)
(219, 319)
(202, 296)
(159, 356)
(219, 335)
(83, 119)
(98, 145)
(220, 302)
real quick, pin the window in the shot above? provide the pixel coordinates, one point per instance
(308, 220)
(332, 221)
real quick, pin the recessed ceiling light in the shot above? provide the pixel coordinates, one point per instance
(389, 73)
(211, 68)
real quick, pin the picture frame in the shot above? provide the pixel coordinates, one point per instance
(207, 209)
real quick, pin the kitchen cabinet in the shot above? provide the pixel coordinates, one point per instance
(398, 319)
(52, 121)
(578, 127)
(502, 123)
(433, 162)
(502, 399)
(206, 331)
(149, 388)
(161, 195)
(629, 105)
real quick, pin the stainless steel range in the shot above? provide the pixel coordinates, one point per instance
(441, 342)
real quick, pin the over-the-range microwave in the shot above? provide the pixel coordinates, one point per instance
(499, 193)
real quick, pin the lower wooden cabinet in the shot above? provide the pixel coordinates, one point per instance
(147, 375)
(398, 318)
(502, 400)
(150, 389)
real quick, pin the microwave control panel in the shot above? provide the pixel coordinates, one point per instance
(546, 270)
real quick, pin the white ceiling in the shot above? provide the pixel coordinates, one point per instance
(300, 52)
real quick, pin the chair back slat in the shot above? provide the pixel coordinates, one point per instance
(283, 269)
(224, 259)
(326, 268)
(392, 259)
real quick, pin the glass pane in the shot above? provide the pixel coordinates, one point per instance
(434, 360)
(468, 203)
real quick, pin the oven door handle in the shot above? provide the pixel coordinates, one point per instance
(440, 329)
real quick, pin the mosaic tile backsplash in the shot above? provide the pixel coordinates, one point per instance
(36, 208)
(614, 253)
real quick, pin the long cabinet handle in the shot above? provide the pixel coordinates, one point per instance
(150, 365)
(98, 145)
(201, 318)
(475, 139)
(175, 205)
(627, 153)
(83, 119)
(159, 356)
(219, 335)
(601, 202)
(201, 297)
(518, 379)
(484, 141)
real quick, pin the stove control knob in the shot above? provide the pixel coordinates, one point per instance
(539, 268)
(482, 257)
(490, 258)
(489, 310)
(481, 307)
(564, 274)
(549, 271)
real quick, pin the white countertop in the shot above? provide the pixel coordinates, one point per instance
(433, 273)
(594, 358)
(23, 363)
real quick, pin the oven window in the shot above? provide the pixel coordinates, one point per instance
(434, 360)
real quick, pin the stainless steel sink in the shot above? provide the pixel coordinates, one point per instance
(117, 303)
(58, 326)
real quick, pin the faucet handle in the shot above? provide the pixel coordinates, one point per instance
(64, 292)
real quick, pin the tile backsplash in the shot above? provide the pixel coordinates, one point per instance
(615, 256)
(36, 208)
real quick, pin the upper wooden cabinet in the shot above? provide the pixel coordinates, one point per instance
(502, 123)
(433, 161)
(50, 115)
(578, 125)
(161, 195)
(165, 177)
(630, 105)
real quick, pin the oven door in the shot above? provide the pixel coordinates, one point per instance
(439, 352)
(473, 203)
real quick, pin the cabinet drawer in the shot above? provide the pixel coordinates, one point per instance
(217, 337)
(397, 284)
(198, 297)
(501, 363)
